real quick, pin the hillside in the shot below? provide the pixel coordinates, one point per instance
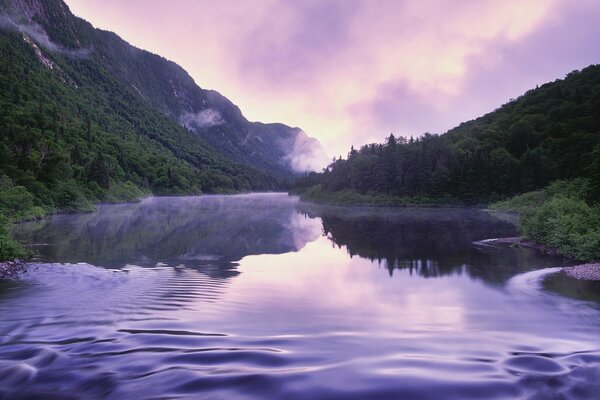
(549, 133)
(84, 112)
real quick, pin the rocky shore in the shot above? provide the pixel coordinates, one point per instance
(588, 272)
(9, 269)
(517, 241)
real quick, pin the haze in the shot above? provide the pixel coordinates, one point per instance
(350, 72)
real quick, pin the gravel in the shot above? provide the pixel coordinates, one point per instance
(10, 269)
(588, 272)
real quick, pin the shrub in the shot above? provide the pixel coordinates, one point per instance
(124, 191)
(9, 248)
(567, 224)
(16, 202)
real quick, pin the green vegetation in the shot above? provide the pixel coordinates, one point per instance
(9, 248)
(550, 133)
(16, 203)
(72, 134)
(562, 215)
(349, 197)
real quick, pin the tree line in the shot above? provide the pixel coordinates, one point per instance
(550, 133)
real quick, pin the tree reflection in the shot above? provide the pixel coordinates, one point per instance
(427, 242)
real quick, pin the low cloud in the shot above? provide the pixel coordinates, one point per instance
(353, 71)
(39, 35)
(202, 119)
(305, 154)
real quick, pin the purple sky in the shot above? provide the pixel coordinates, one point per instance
(350, 72)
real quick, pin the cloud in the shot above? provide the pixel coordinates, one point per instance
(352, 71)
(501, 69)
(202, 119)
(294, 41)
(305, 154)
(39, 35)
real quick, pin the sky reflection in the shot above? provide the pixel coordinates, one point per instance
(292, 313)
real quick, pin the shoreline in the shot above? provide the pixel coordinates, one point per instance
(518, 241)
(584, 272)
(10, 269)
(589, 271)
(382, 202)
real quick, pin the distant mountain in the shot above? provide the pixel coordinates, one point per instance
(85, 116)
(550, 133)
(169, 88)
(160, 83)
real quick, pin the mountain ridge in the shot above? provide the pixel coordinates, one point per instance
(171, 90)
(549, 133)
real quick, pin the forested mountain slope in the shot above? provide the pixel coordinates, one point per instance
(169, 88)
(87, 117)
(549, 133)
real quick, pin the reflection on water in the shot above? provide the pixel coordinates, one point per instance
(428, 242)
(172, 230)
(259, 296)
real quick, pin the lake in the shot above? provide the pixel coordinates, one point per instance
(261, 296)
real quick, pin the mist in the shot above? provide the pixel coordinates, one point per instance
(39, 36)
(202, 119)
(305, 154)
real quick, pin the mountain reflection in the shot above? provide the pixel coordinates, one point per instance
(209, 232)
(212, 233)
(427, 242)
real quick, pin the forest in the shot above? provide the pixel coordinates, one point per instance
(71, 136)
(550, 134)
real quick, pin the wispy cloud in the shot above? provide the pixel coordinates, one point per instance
(202, 119)
(304, 153)
(39, 35)
(352, 71)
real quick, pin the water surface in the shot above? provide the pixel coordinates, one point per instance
(260, 297)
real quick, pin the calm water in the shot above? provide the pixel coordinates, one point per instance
(262, 297)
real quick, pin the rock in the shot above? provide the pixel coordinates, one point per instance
(9, 269)
(588, 272)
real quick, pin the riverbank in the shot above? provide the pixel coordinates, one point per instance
(9, 269)
(588, 272)
(349, 197)
(518, 241)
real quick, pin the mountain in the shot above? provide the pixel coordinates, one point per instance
(550, 133)
(170, 89)
(87, 117)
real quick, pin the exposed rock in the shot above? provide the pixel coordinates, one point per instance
(10, 269)
(517, 241)
(588, 272)
(46, 62)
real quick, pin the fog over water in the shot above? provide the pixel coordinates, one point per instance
(261, 296)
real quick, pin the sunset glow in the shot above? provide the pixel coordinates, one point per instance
(350, 72)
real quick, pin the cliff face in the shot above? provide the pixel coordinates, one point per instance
(168, 88)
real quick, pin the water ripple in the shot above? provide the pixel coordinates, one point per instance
(77, 331)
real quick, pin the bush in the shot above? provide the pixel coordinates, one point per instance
(124, 191)
(522, 202)
(579, 188)
(9, 248)
(567, 224)
(16, 202)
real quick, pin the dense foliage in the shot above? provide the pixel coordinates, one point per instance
(70, 141)
(160, 83)
(563, 215)
(550, 133)
(72, 135)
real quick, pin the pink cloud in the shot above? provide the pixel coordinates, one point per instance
(352, 71)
